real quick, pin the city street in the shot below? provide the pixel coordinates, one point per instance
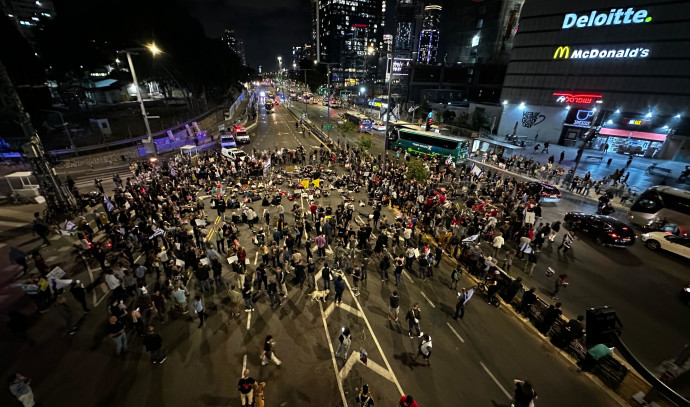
(474, 360)
(619, 278)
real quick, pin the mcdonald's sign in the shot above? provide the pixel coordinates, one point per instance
(562, 52)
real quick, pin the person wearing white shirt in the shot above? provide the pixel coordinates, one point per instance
(498, 243)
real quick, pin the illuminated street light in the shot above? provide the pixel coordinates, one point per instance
(505, 102)
(154, 49)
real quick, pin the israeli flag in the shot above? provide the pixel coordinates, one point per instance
(158, 232)
(526, 248)
(108, 205)
(471, 238)
(476, 170)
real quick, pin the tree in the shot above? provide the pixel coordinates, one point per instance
(448, 116)
(463, 119)
(479, 119)
(365, 143)
(416, 170)
(347, 127)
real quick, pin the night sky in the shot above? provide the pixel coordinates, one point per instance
(268, 27)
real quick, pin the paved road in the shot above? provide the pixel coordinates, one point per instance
(473, 364)
(641, 285)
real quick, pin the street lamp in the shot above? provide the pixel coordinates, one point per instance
(154, 50)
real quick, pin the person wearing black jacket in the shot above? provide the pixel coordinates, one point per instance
(550, 316)
(528, 298)
(154, 344)
(220, 207)
(77, 290)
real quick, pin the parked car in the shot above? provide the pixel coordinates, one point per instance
(679, 245)
(605, 230)
(543, 189)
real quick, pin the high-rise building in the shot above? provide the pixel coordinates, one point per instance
(405, 41)
(429, 36)
(349, 34)
(27, 14)
(235, 44)
(479, 32)
(617, 71)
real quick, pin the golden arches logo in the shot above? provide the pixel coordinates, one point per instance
(562, 52)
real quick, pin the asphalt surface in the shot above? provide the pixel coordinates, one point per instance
(474, 360)
(643, 286)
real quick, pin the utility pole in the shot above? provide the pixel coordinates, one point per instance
(60, 202)
(388, 105)
(328, 92)
(306, 104)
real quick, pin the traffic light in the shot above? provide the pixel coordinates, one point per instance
(602, 326)
(429, 122)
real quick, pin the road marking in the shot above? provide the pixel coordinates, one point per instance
(408, 276)
(486, 369)
(455, 332)
(335, 363)
(244, 364)
(256, 257)
(354, 358)
(376, 341)
(249, 319)
(428, 300)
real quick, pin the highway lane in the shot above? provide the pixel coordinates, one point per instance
(204, 364)
(475, 359)
(642, 285)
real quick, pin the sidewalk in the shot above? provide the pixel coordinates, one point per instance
(639, 180)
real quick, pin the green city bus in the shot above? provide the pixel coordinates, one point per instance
(420, 142)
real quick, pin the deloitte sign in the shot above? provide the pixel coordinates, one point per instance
(564, 52)
(616, 16)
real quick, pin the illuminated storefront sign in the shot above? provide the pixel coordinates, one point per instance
(564, 52)
(613, 17)
(578, 98)
(580, 118)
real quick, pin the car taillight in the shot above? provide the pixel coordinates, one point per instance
(613, 235)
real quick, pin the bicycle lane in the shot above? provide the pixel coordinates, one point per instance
(474, 360)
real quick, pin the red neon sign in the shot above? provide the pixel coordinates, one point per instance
(584, 98)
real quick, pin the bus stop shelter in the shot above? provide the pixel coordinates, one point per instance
(189, 150)
(20, 184)
(500, 148)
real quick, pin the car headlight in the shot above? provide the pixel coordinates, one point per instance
(686, 289)
(645, 236)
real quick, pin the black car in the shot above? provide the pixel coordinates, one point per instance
(543, 190)
(605, 230)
